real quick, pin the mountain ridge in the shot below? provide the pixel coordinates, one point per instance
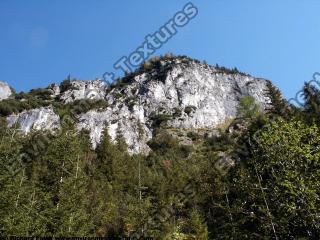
(167, 92)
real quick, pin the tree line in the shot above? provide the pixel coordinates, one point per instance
(270, 191)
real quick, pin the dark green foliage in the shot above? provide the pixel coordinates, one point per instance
(131, 101)
(275, 185)
(28, 101)
(120, 83)
(56, 185)
(311, 96)
(25, 101)
(193, 136)
(164, 143)
(176, 191)
(159, 119)
(65, 85)
(229, 71)
(223, 142)
(40, 93)
(177, 113)
(79, 106)
(189, 109)
(278, 106)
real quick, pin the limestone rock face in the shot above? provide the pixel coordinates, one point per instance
(190, 95)
(42, 118)
(118, 123)
(5, 91)
(55, 90)
(94, 89)
(178, 93)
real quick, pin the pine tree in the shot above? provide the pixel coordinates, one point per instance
(21, 199)
(311, 103)
(118, 173)
(197, 226)
(60, 174)
(278, 107)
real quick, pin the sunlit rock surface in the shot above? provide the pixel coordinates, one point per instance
(36, 119)
(192, 95)
(5, 91)
(181, 93)
(93, 89)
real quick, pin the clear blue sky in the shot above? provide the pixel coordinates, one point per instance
(42, 41)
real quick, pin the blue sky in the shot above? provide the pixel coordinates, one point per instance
(43, 41)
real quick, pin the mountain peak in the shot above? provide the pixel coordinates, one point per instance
(165, 92)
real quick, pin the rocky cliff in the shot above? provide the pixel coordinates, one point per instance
(175, 93)
(5, 91)
(75, 90)
(36, 119)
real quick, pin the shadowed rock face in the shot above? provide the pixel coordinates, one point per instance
(186, 95)
(5, 91)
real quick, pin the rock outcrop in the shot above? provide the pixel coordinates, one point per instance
(119, 124)
(190, 95)
(76, 90)
(42, 118)
(5, 91)
(178, 93)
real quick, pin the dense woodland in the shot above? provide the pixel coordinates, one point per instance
(259, 181)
